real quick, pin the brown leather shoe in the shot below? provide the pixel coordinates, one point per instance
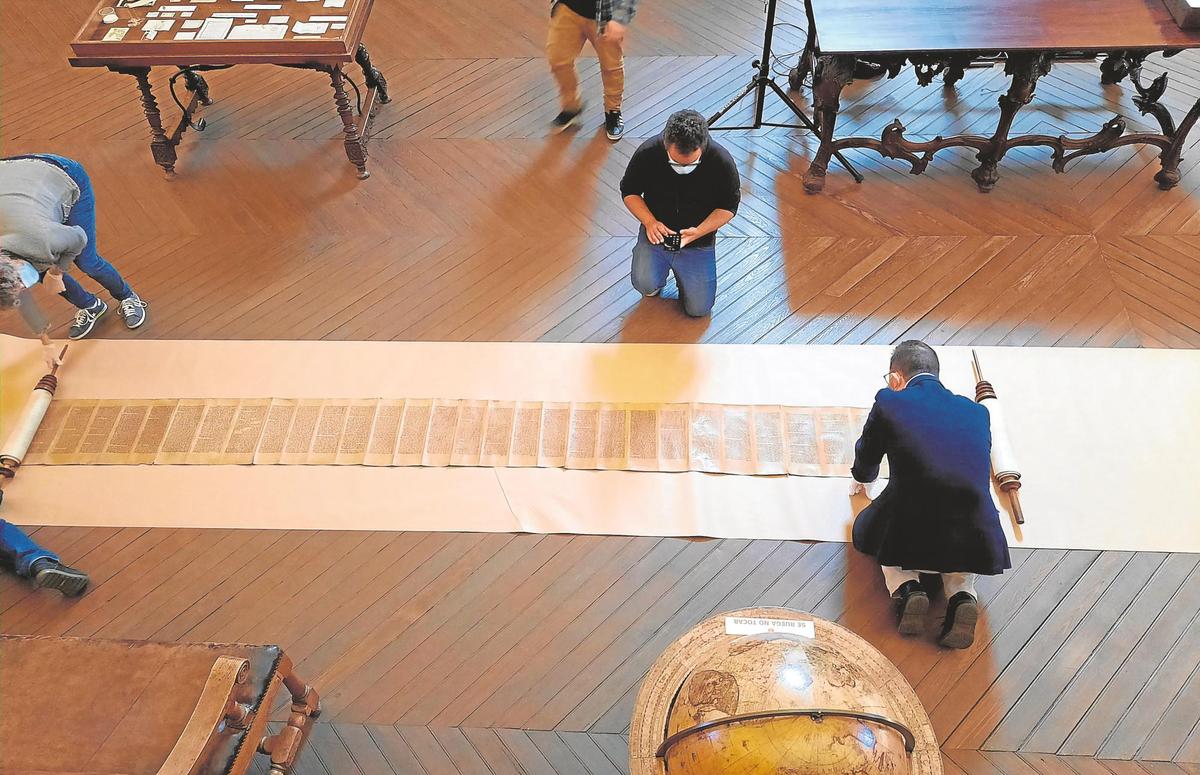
(958, 631)
(912, 603)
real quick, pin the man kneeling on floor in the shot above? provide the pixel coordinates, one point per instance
(682, 186)
(936, 514)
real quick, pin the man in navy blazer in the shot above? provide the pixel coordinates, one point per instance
(936, 514)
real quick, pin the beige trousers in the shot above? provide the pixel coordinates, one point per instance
(568, 31)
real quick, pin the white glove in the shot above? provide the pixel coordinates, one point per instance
(861, 488)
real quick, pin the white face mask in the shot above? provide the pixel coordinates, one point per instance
(684, 169)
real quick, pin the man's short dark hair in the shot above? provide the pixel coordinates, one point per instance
(686, 130)
(913, 357)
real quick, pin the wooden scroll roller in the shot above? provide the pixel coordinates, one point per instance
(17, 443)
(1004, 462)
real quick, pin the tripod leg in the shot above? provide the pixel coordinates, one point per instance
(830, 76)
(730, 105)
(810, 126)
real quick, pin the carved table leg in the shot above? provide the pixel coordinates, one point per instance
(1025, 69)
(356, 149)
(161, 147)
(196, 83)
(956, 68)
(371, 75)
(1147, 97)
(1115, 67)
(284, 748)
(1168, 177)
(927, 68)
(830, 76)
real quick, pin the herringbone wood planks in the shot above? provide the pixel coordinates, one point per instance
(502, 648)
(442, 653)
(477, 225)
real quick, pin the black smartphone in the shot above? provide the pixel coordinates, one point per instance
(672, 242)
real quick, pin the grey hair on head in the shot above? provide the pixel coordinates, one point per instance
(11, 285)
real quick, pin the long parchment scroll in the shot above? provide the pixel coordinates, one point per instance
(717, 438)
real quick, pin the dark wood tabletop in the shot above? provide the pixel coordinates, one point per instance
(898, 26)
(130, 42)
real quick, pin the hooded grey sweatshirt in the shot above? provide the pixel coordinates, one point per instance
(35, 199)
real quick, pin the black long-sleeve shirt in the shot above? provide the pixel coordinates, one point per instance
(683, 201)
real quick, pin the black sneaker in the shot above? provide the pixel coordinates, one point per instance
(54, 575)
(133, 309)
(566, 119)
(912, 603)
(614, 125)
(85, 320)
(958, 631)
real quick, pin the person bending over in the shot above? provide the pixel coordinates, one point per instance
(48, 222)
(936, 514)
(682, 186)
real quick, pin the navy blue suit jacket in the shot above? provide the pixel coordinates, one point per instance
(936, 512)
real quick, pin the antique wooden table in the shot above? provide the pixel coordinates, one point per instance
(946, 36)
(84, 705)
(132, 36)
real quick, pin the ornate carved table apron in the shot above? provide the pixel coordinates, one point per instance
(947, 36)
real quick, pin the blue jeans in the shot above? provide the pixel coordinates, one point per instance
(83, 215)
(695, 273)
(20, 550)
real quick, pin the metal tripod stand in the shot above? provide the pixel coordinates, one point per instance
(759, 84)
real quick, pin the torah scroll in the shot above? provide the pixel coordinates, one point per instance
(713, 438)
(1004, 461)
(19, 439)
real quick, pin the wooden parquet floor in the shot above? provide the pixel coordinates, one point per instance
(477, 225)
(495, 653)
(445, 653)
